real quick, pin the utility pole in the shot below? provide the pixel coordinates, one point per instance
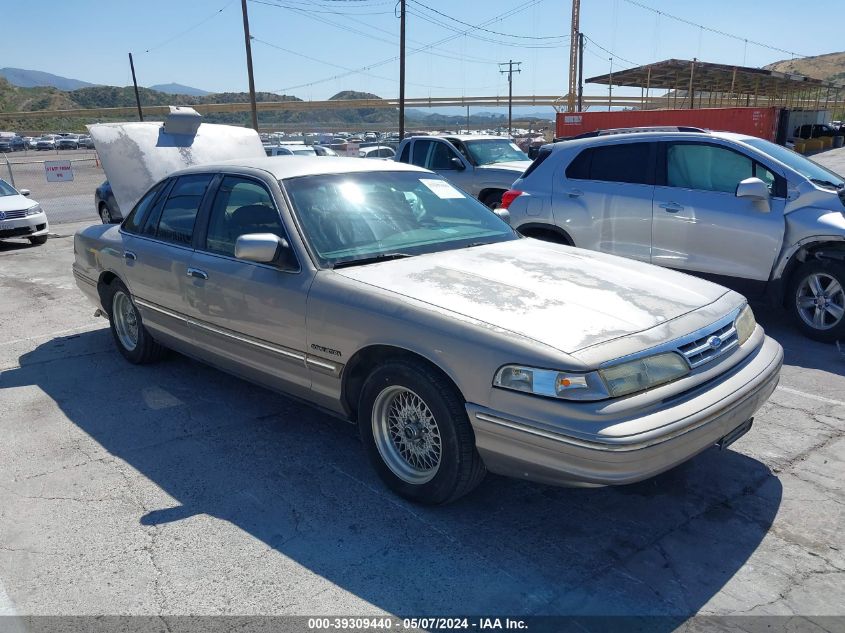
(467, 118)
(510, 71)
(580, 72)
(610, 86)
(135, 83)
(247, 38)
(574, 33)
(401, 69)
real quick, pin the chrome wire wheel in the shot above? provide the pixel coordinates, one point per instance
(125, 320)
(105, 214)
(820, 300)
(406, 435)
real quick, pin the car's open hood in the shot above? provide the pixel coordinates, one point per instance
(137, 155)
(567, 298)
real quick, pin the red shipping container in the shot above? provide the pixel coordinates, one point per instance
(761, 122)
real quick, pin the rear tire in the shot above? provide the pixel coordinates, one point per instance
(105, 214)
(133, 340)
(38, 240)
(416, 432)
(493, 199)
(816, 299)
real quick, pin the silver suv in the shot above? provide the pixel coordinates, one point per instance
(483, 166)
(737, 209)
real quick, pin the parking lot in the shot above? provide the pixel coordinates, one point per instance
(173, 489)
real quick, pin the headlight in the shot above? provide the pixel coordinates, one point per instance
(551, 383)
(745, 324)
(643, 373)
(34, 210)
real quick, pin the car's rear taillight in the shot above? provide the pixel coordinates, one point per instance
(509, 196)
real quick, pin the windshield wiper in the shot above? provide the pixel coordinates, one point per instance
(827, 183)
(381, 257)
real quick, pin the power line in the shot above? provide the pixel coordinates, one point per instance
(609, 52)
(501, 16)
(713, 30)
(486, 30)
(480, 37)
(346, 68)
(191, 28)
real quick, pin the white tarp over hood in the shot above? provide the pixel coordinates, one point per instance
(137, 155)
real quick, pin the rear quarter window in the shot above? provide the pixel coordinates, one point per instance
(543, 155)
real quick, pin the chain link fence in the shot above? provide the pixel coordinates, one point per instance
(65, 198)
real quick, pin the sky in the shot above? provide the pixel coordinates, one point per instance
(308, 47)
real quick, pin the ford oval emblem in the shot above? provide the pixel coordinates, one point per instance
(714, 342)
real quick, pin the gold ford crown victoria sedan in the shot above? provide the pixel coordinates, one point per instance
(383, 294)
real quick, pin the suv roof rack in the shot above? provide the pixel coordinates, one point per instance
(633, 130)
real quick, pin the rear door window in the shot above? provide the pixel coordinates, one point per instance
(420, 152)
(179, 212)
(621, 162)
(136, 218)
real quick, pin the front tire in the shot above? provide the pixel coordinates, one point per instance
(817, 300)
(417, 434)
(133, 340)
(105, 214)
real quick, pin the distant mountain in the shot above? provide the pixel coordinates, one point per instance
(35, 78)
(829, 67)
(179, 89)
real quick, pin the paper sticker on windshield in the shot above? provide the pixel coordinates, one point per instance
(441, 188)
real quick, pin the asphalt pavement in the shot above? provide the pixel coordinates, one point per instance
(175, 489)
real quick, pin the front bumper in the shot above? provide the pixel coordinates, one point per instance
(27, 226)
(528, 449)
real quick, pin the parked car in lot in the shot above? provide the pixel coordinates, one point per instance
(483, 166)
(815, 130)
(11, 143)
(290, 150)
(20, 216)
(386, 295)
(376, 152)
(106, 204)
(85, 141)
(69, 141)
(46, 142)
(734, 208)
(322, 150)
(31, 142)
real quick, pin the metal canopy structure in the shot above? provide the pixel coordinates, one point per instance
(703, 84)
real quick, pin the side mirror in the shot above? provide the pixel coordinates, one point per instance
(260, 247)
(24, 192)
(752, 188)
(503, 213)
(457, 163)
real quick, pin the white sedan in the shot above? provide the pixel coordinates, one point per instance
(21, 217)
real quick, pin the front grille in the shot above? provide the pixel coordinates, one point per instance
(12, 215)
(710, 345)
(23, 230)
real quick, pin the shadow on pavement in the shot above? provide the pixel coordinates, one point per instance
(298, 481)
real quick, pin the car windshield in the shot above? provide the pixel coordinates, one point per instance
(494, 150)
(364, 216)
(304, 151)
(804, 166)
(6, 189)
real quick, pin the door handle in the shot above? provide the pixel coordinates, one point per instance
(129, 255)
(196, 272)
(671, 207)
(575, 193)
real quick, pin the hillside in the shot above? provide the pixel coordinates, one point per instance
(179, 89)
(24, 78)
(829, 67)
